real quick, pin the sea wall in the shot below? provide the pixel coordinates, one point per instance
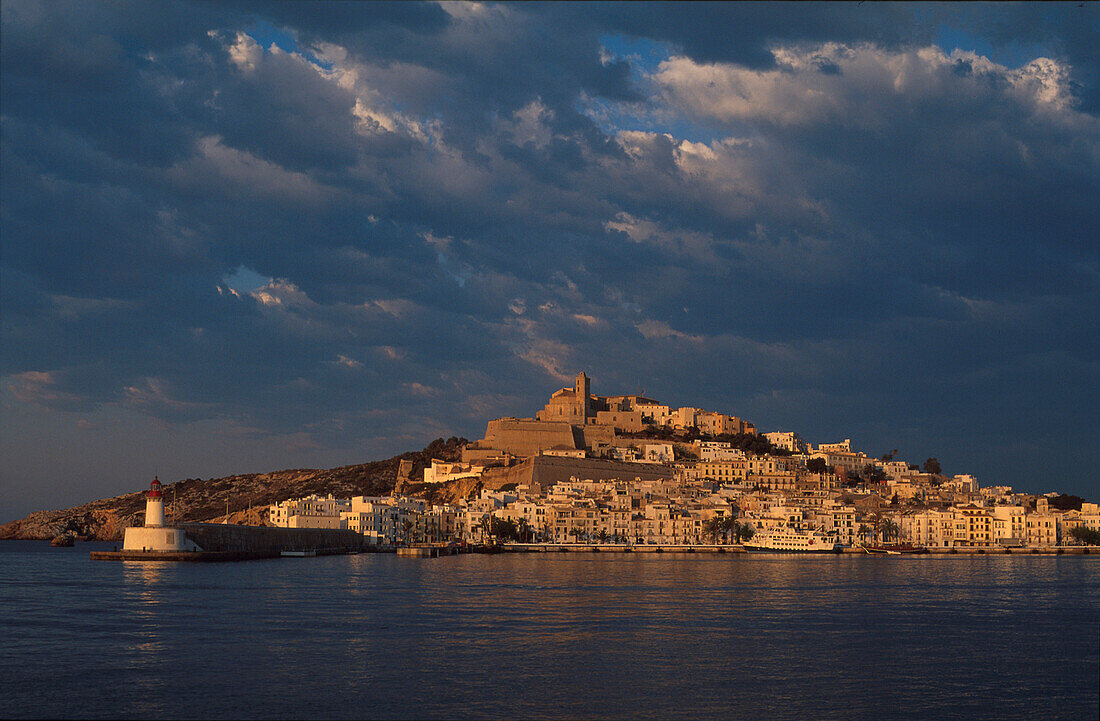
(265, 539)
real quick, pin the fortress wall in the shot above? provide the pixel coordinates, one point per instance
(593, 435)
(520, 474)
(541, 472)
(548, 470)
(526, 437)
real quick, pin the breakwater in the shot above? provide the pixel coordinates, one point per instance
(222, 542)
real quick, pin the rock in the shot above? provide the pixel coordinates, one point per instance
(63, 541)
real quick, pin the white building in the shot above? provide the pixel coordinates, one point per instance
(717, 451)
(787, 440)
(443, 471)
(658, 414)
(658, 453)
(310, 512)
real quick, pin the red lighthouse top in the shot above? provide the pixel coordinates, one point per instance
(154, 488)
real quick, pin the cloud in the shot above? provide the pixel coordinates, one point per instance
(451, 209)
(44, 388)
(854, 85)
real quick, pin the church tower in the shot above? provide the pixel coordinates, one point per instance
(582, 390)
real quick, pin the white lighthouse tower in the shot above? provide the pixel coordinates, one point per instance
(154, 505)
(155, 536)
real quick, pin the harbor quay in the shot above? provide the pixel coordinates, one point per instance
(731, 549)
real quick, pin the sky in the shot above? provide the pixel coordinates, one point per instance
(242, 237)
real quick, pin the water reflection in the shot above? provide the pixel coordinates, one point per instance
(147, 577)
(144, 652)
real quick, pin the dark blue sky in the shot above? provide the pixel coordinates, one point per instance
(250, 236)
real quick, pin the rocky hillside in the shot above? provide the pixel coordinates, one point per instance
(195, 500)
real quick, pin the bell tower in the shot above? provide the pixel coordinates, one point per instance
(582, 390)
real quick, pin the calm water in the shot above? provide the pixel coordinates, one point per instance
(553, 636)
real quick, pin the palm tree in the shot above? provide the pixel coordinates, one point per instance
(712, 527)
(729, 526)
(890, 529)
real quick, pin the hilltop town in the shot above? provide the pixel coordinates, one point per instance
(590, 469)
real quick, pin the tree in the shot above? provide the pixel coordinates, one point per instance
(874, 474)
(889, 456)
(817, 465)
(1062, 502)
(712, 527)
(932, 466)
(602, 536)
(1085, 536)
(889, 529)
(729, 523)
(746, 532)
(499, 528)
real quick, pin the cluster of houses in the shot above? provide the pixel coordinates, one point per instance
(761, 492)
(627, 469)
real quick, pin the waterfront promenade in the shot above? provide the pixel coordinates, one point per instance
(737, 549)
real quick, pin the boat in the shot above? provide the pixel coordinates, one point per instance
(790, 540)
(894, 549)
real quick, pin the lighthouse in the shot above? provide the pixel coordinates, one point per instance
(156, 536)
(154, 505)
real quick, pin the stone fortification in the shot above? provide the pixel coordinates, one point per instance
(527, 437)
(594, 423)
(541, 472)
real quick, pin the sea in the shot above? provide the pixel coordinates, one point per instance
(588, 636)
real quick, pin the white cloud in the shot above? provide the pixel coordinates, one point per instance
(836, 82)
(529, 124)
(245, 53)
(280, 293)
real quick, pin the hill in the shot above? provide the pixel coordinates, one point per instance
(246, 496)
